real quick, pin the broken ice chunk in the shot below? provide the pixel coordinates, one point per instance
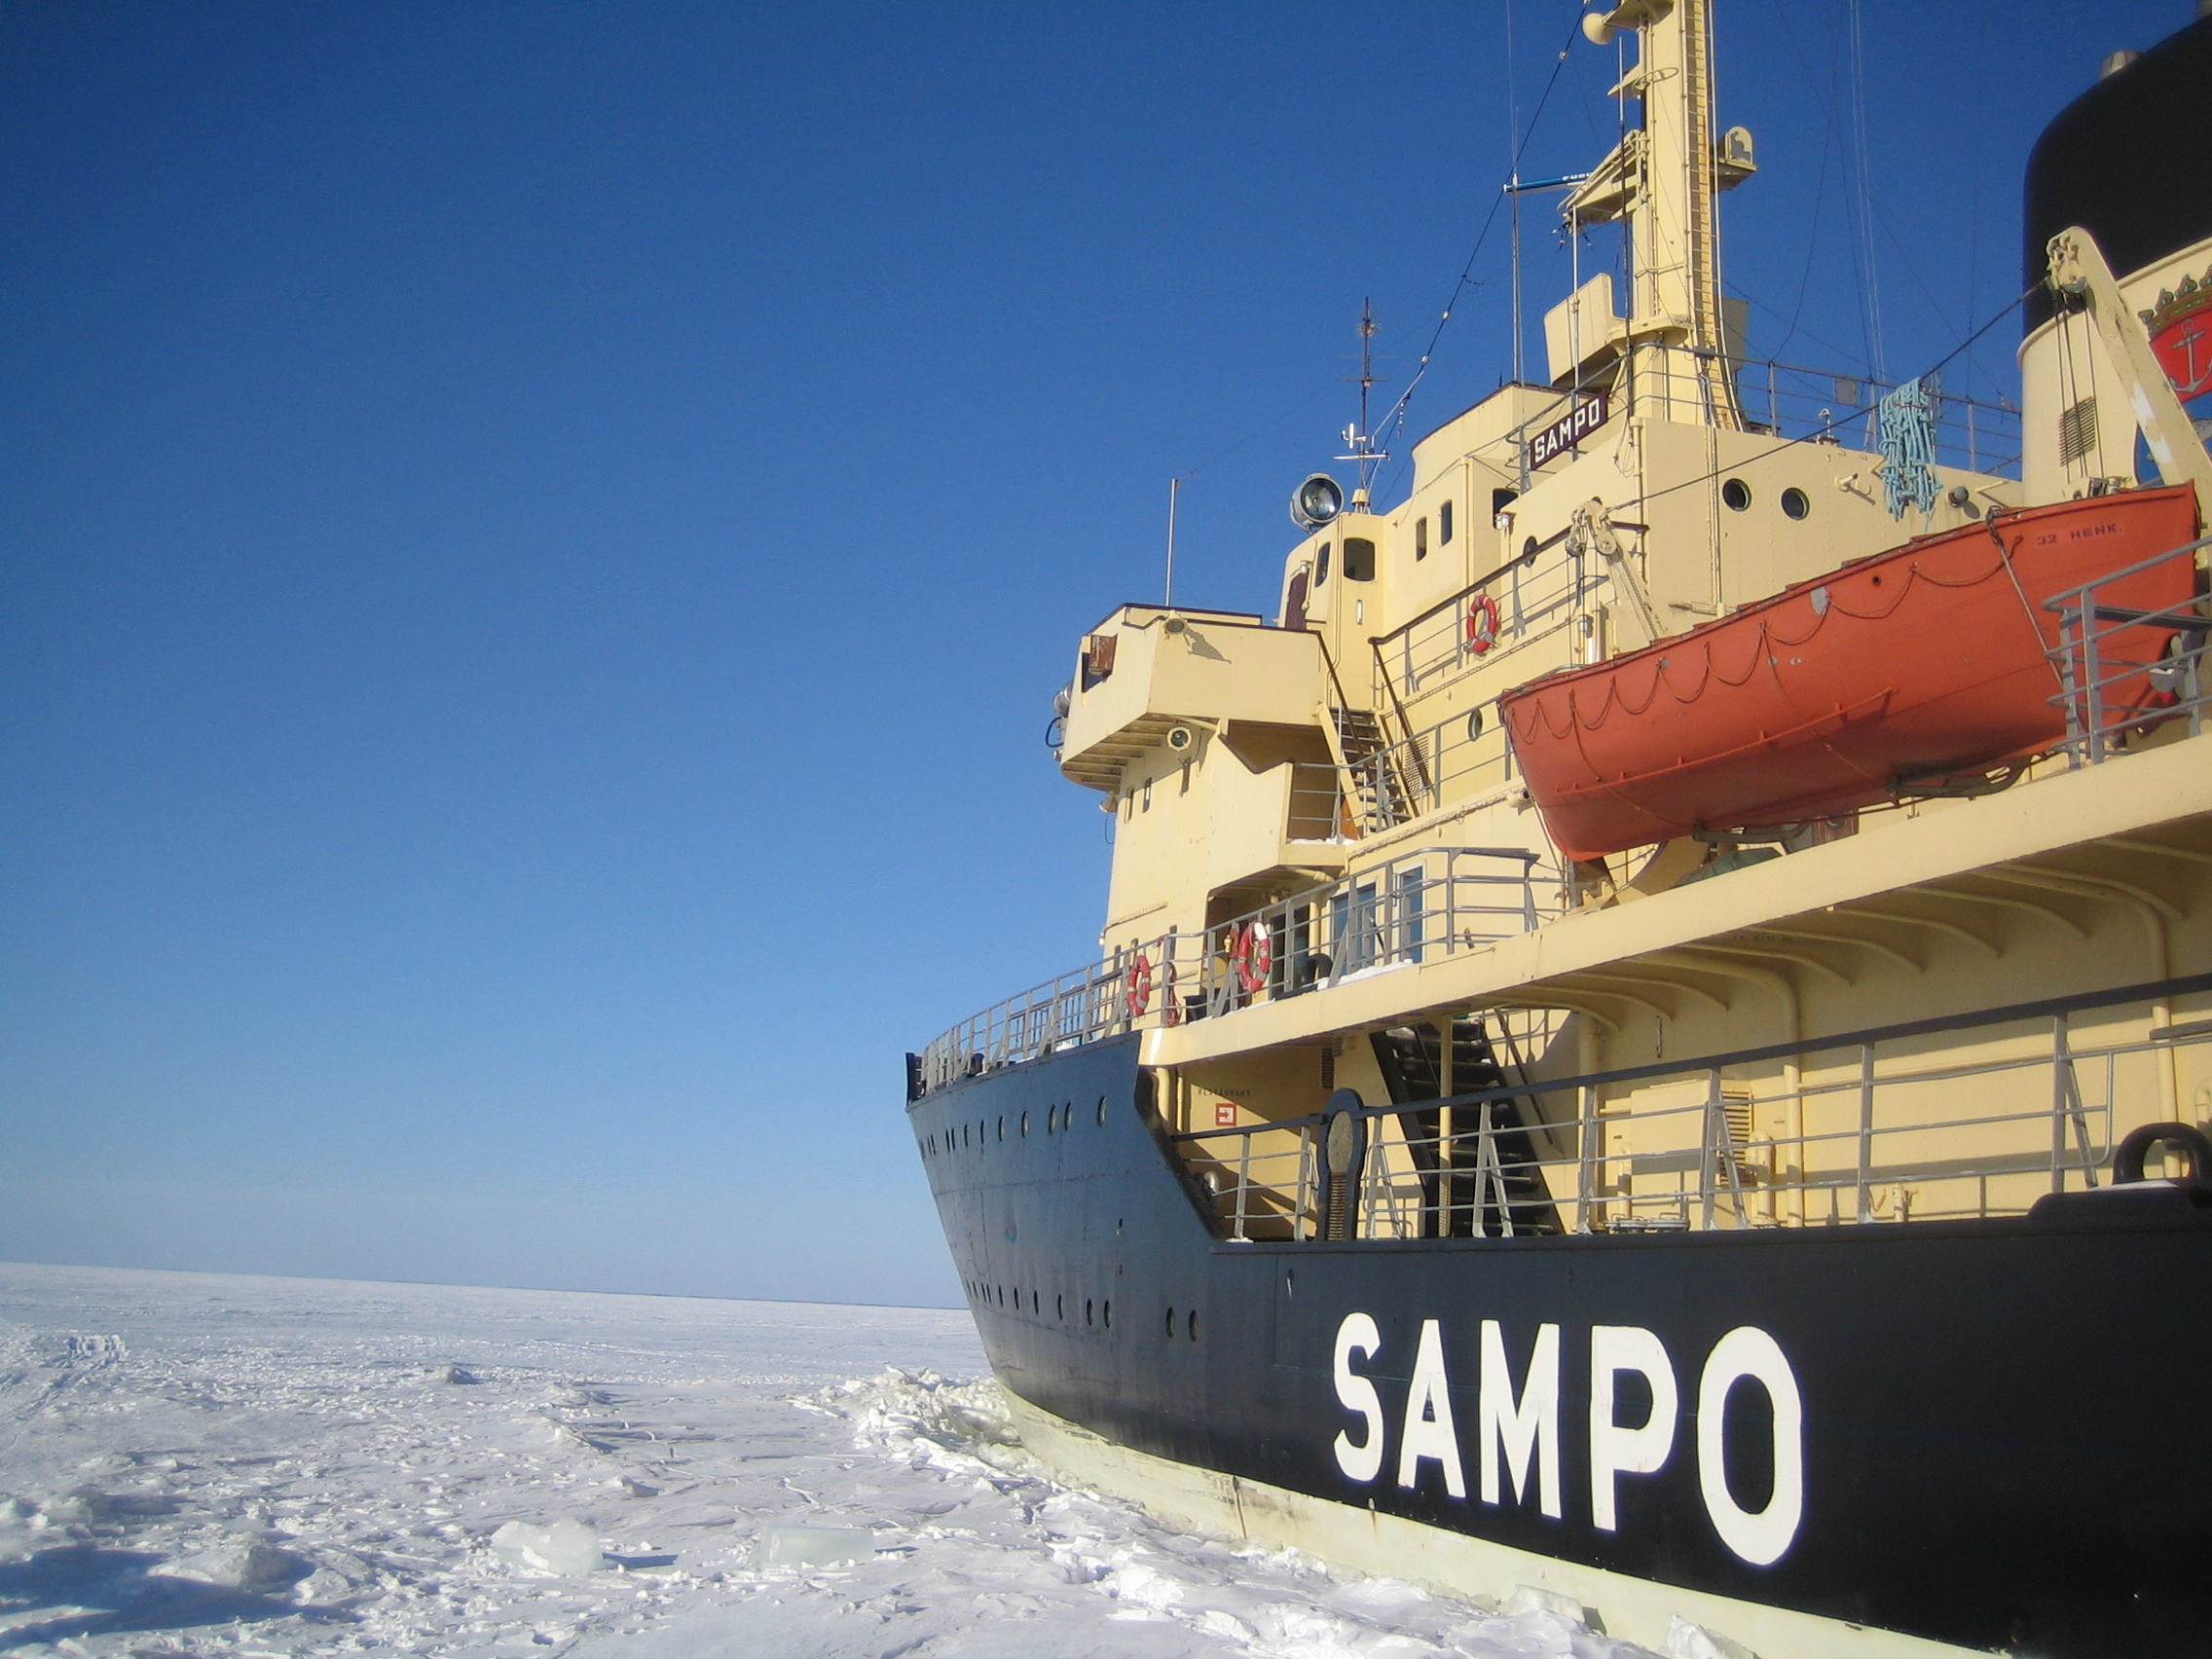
(1530, 1598)
(240, 1563)
(565, 1547)
(1686, 1640)
(811, 1546)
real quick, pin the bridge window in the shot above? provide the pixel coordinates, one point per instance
(1444, 524)
(1421, 539)
(1359, 559)
(1321, 567)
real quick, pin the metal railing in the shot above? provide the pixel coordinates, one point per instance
(1791, 401)
(1423, 906)
(1532, 602)
(1875, 1131)
(1441, 762)
(2128, 665)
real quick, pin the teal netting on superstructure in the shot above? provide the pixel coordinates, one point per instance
(1904, 431)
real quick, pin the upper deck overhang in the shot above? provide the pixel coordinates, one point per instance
(1558, 963)
(1172, 666)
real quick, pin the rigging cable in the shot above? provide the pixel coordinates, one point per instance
(1870, 293)
(1929, 374)
(1393, 420)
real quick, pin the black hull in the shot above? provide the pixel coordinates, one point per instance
(1999, 1441)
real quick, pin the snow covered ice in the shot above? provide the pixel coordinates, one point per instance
(203, 1465)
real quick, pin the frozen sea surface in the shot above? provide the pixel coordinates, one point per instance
(197, 1463)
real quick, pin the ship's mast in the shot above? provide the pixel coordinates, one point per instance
(1359, 444)
(1662, 180)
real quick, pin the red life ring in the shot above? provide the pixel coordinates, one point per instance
(1482, 623)
(1254, 955)
(1139, 996)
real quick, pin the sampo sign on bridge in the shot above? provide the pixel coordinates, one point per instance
(1569, 429)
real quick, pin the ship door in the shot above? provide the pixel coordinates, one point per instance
(1294, 611)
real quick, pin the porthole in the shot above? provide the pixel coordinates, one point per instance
(1102, 1109)
(1474, 726)
(963, 1135)
(1002, 1128)
(1194, 1324)
(1171, 1321)
(1002, 1296)
(1061, 1306)
(1528, 551)
(1795, 503)
(1024, 1122)
(1735, 495)
(1033, 1300)
(1086, 1313)
(1106, 1314)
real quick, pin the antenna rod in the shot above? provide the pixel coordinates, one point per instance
(1366, 380)
(1173, 485)
(1513, 145)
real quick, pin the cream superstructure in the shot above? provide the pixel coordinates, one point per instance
(1339, 770)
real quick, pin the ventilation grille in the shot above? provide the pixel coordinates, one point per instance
(2077, 431)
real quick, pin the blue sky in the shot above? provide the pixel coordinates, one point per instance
(537, 541)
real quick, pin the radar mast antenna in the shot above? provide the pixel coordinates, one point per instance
(1359, 443)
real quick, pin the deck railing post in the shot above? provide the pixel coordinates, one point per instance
(1705, 1150)
(1243, 1180)
(1865, 1207)
(1304, 1176)
(1586, 1174)
(2066, 1106)
(2092, 673)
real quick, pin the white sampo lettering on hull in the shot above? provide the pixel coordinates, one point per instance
(1519, 1428)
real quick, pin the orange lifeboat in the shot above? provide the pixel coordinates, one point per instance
(1896, 672)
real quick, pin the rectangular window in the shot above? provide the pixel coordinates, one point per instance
(1359, 559)
(1321, 567)
(1185, 788)
(1500, 501)
(1421, 539)
(1444, 525)
(1148, 794)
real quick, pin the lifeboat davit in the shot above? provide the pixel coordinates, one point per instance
(1912, 666)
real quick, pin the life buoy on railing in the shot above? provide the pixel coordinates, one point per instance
(1482, 623)
(1139, 995)
(1252, 956)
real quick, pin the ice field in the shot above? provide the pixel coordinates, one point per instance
(200, 1464)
